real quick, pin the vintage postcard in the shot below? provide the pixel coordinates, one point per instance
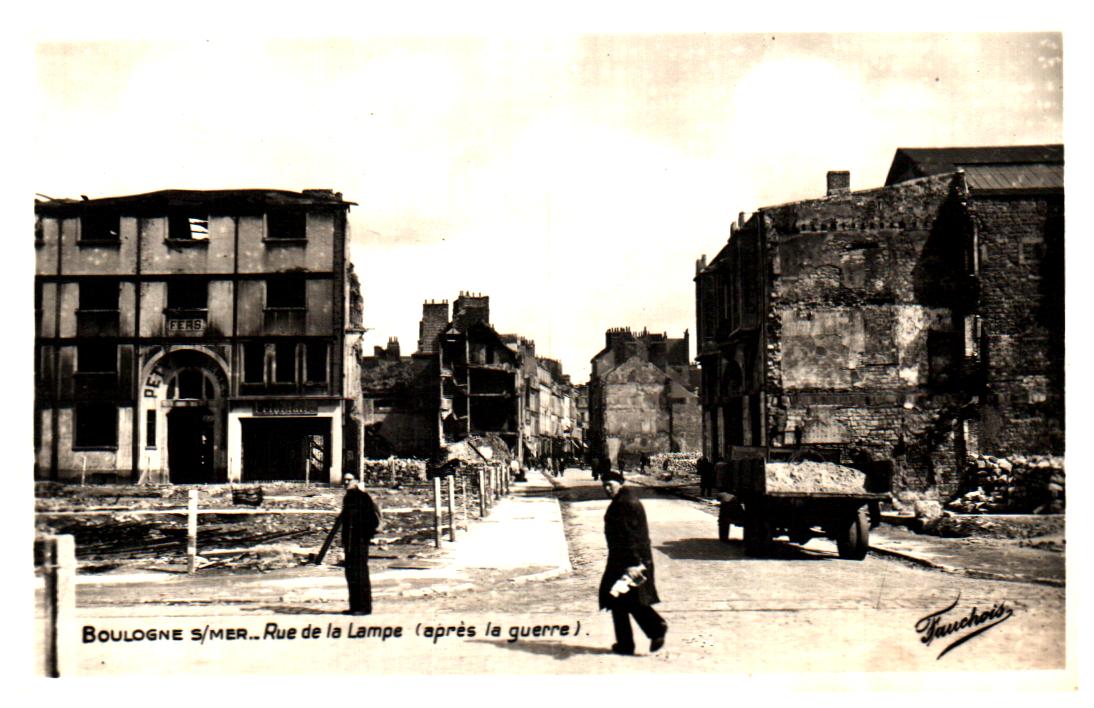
(718, 352)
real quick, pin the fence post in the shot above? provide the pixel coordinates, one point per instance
(59, 556)
(451, 507)
(437, 511)
(463, 492)
(192, 532)
(482, 493)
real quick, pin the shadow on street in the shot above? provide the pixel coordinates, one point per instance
(713, 550)
(560, 652)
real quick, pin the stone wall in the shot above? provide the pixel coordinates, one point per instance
(864, 328)
(1022, 323)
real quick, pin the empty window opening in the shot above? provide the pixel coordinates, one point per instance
(254, 362)
(285, 224)
(100, 226)
(187, 295)
(286, 293)
(150, 429)
(316, 362)
(96, 358)
(99, 295)
(96, 425)
(187, 226)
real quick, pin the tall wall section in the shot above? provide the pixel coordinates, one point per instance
(864, 327)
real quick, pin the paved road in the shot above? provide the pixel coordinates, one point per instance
(803, 609)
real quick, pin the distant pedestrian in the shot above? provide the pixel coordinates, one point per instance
(705, 468)
(627, 587)
(601, 466)
(360, 521)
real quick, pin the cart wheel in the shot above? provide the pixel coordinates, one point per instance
(853, 538)
(757, 531)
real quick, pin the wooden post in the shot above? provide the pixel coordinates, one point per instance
(59, 555)
(463, 492)
(437, 511)
(192, 532)
(482, 494)
(451, 507)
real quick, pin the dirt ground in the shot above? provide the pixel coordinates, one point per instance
(122, 538)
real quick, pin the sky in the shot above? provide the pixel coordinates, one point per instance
(573, 177)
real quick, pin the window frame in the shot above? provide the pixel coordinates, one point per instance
(284, 281)
(285, 225)
(309, 352)
(254, 348)
(290, 351)
(180, 229)
(93, 221)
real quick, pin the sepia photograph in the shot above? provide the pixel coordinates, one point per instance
(577, 351)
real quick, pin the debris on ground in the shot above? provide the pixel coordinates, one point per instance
(1021, 484)
(120, 535)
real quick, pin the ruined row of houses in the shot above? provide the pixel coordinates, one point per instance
(919, 324)
(467, 380)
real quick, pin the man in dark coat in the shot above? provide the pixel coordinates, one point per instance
(360, 520)
(705, 468)
(629, 560)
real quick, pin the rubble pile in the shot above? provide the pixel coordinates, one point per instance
(1015, 485)
(813, 477)
(393, 470)
(681, 464)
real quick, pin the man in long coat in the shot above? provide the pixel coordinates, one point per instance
(629, 556)
(360, 520)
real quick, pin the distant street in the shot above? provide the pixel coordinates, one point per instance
(803, 609)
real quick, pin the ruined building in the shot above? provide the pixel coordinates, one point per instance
(465, 379)
(919, 323)
(642, 397)
(480, 376)
(195, 336)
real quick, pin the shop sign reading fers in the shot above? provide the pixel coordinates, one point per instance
(273, 408)
(185, 325)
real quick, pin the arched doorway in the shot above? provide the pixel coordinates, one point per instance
(185, 417)
(191, 425)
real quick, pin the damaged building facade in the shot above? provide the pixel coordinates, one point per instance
(642, 397)
(465, 379)
(918, 324)
(196, 337)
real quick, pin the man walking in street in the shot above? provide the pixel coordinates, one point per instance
(627, 587)
(360, 521)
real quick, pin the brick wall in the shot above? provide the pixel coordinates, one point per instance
(1021, 310)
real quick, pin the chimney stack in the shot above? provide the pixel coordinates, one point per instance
(434, 321)
(839, 182)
